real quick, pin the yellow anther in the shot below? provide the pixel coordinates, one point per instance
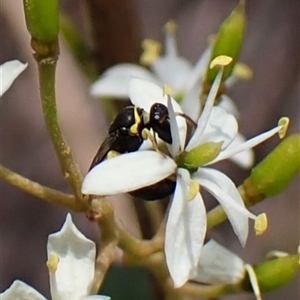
(253, 281)
(220, 61)
(284, 124)
(170, 26)
(276, 254)
(137, 121)
(193, 190)
(112, 154)
(52, 263)
(299, 254)
(151, 50)
(166, 90)
(260, 224)
(242, 71)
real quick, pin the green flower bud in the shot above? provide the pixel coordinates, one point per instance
(42, 19)
(199, 155)
(228, 41)
(274, 173)
(274, 273)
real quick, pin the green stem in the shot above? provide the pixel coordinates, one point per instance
(209, 291)
(39, 191)
(46, 67)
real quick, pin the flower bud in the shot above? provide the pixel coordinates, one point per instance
(228, 41)
(199, 155)
(42, 19)
(272, 274)
(274, 173)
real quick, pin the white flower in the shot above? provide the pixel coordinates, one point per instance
(9, 71)
(184, 79)
(218, 265)
(186, 224)
(71, 263)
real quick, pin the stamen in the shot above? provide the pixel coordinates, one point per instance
(280, 129)
(146, 134)
(167, 90)
(171, 47)
(242, 71)
(260, 224)
(220, 61)
(283, 123)
(52, 263)
(253, 281)
(151, 51)
(112, 154)
(207, 109)
(170, 26)
(276, 254)
(194, 188)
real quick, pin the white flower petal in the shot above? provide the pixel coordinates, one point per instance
(244, 159)
(128, 172)
(195, 78)
(218, 265)
(193, 87)
(224, 190)
(173, 71)
(185, 231)
(19, 290)
(144, 94)
(75, 268)
(237, 148)
(202, 122)
(175, 146)
(191, 104)
(221, 127)
(114, 81)
(9, 71)
(96, 297)
(228, 104)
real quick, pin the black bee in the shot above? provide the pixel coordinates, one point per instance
(126, 134)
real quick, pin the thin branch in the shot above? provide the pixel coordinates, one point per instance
(103, 214)
(46, 56)
(209, 291)
(40, 191)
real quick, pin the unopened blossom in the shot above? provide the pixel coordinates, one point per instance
(186, 223)
(184, 79)
(218, 265)
(71, 263)
(9, 71)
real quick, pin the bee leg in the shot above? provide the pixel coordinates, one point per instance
(191, 123)
(146, 134)
(112, 154)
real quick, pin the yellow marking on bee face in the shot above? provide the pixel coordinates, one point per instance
(137, 121)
